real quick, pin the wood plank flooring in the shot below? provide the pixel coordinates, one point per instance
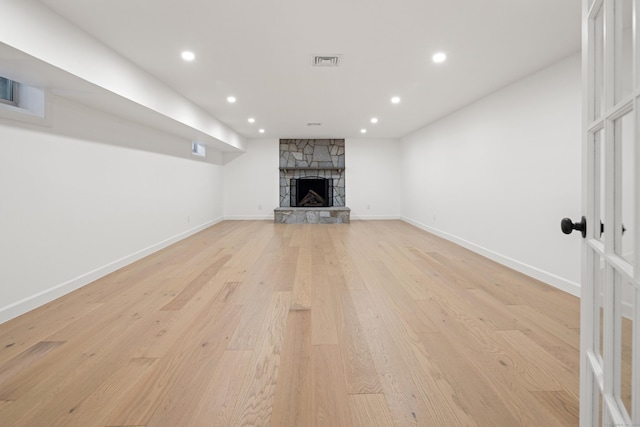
(250, 323)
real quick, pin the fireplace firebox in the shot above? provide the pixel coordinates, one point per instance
(311, 192)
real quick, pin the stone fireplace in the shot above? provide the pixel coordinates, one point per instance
(312, 181)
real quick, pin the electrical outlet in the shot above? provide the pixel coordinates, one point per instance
(259, 207)
(368, 207)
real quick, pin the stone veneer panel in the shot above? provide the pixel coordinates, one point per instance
(312, 153)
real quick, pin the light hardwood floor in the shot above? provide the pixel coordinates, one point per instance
(373, 323)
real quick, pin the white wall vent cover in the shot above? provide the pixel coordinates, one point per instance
(326, 60)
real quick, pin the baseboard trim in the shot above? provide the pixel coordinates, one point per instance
(267, 217)
(27, 304)
(544, 276)
(374, 217)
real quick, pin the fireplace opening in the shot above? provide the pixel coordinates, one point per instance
(311, 192)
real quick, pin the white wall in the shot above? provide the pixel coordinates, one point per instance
(498, 175)
(373, 178)
(76, 204)
(251, 187)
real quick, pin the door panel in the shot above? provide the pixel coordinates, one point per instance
(610, 341)
(626, 349)
(599, 304)
(625, 187)
(597, 74)
(599, 187)
(623, 10)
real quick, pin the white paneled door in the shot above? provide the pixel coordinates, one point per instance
(610, 339)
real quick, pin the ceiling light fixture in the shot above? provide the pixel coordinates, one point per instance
(261, 131)
(374, 120)
(251, 120)
(439, 57)
(395, 100)
(231, 99)
(363, 131)
(188, 55)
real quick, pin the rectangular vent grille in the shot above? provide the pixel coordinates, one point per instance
(326, 60)
(198, 149)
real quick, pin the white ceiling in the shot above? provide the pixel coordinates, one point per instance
(260, 51)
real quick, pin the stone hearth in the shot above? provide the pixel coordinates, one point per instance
(328, 215)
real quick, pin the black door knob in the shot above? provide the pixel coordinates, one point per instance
(568, 226)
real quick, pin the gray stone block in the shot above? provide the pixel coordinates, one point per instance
(321, 154)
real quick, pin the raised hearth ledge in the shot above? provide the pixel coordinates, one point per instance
(325, 215)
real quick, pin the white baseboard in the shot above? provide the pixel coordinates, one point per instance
(373, 217)
(27, 304)
(544, 276)
(267, 217)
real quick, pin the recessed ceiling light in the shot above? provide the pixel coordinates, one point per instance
(374, 120)
(363, 131)
(439, 57)
(261, 131)
(231, 99)
(395, 100)
(251, 120)
(188, 55)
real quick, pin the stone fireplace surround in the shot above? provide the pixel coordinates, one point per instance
(304, 158)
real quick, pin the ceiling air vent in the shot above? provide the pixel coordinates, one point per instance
(326, 60)
(314, 124)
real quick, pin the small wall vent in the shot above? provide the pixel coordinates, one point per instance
(198, 149)
(326, 60)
